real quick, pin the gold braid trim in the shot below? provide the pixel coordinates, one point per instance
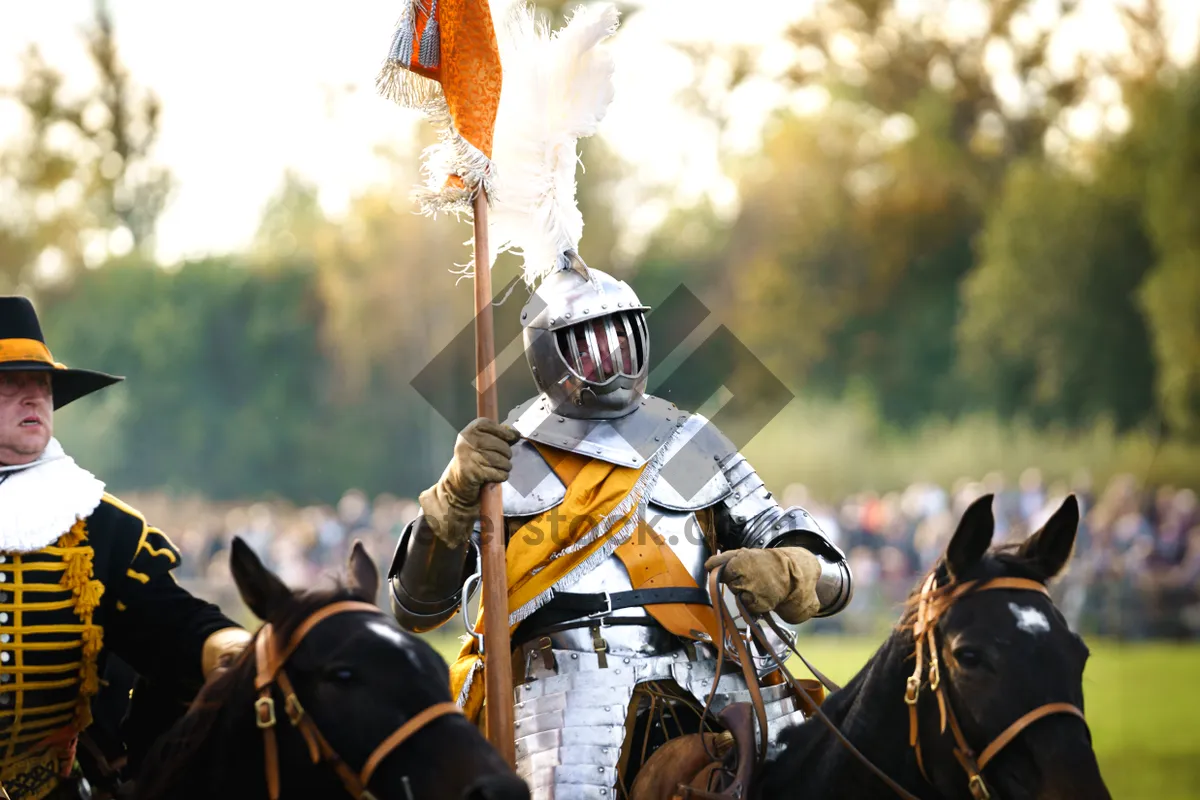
(79, 578)
(35, 775)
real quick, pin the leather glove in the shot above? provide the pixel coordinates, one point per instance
(482, 454)
(221, 648)
(781, 579)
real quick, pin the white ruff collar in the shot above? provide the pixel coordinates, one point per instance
(41, 503)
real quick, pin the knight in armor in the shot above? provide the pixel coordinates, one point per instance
(88, 604)
(616, 504)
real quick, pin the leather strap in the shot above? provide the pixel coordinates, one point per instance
(652, 564)
(270, 672)
(931, 604)
(595, 603)
(402, 734)
(811, 709)
(278, 659)
(1012, 731)
(525, 635)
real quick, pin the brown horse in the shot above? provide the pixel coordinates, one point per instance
(331, 700)
(976, 694)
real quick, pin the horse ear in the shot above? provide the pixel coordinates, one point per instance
(972, 538)
(1050, 548)
(364, 576)
(262, 591)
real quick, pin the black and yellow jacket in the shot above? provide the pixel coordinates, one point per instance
(103, 585)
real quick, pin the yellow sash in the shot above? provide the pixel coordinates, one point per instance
(552, 545)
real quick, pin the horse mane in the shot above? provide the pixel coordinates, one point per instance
(184, 740)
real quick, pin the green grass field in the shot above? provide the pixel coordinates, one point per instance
(1143, 706)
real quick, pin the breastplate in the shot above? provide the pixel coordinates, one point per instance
(681, 531)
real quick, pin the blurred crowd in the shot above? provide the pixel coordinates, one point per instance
(1135, 572)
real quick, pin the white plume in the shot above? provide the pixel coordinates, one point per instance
(557, 88)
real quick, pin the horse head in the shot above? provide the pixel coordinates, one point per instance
(977, 693)
(347, 699)
(1010, 669)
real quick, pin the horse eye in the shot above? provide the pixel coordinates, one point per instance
(968, 657)
(342, 675)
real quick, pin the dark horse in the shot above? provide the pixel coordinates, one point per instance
(1002, 654)
(358, 678)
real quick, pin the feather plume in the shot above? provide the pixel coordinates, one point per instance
(557, 89)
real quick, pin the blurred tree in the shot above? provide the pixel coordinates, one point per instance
(859, 225)
(1162, 159)
(1050, 324)
(81, 187)
(227, 386)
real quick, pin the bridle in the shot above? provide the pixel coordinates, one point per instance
(270, 660)
(930, 608)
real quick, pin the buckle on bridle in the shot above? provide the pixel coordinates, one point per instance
(294, 710)
(264, 716)
(604, 612)
(911, 689)
(978, 788)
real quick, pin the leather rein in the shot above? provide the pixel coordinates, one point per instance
(270, 660)
(930, 609)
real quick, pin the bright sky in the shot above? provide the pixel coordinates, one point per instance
(296, 78)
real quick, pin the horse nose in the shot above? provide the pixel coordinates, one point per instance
(498, 787)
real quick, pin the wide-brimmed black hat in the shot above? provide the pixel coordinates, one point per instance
(23, 348)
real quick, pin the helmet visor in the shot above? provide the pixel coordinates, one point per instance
(599, 350)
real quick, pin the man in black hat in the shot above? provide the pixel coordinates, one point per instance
(82, 576)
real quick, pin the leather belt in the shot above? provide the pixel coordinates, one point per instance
(569, 610)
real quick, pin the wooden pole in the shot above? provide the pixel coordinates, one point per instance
(497, 644)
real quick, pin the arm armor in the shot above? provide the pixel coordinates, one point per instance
(426, 578)
(750, 517)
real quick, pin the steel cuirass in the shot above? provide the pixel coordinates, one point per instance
(588, 350)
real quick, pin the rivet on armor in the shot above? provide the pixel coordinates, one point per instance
(574, 655)
(585, 310)
(600, 770)
(603, 306)
(608, 708)
(626, 661)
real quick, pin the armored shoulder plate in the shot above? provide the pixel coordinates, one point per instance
(692, 477)
(532, 487)
(629, 441)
